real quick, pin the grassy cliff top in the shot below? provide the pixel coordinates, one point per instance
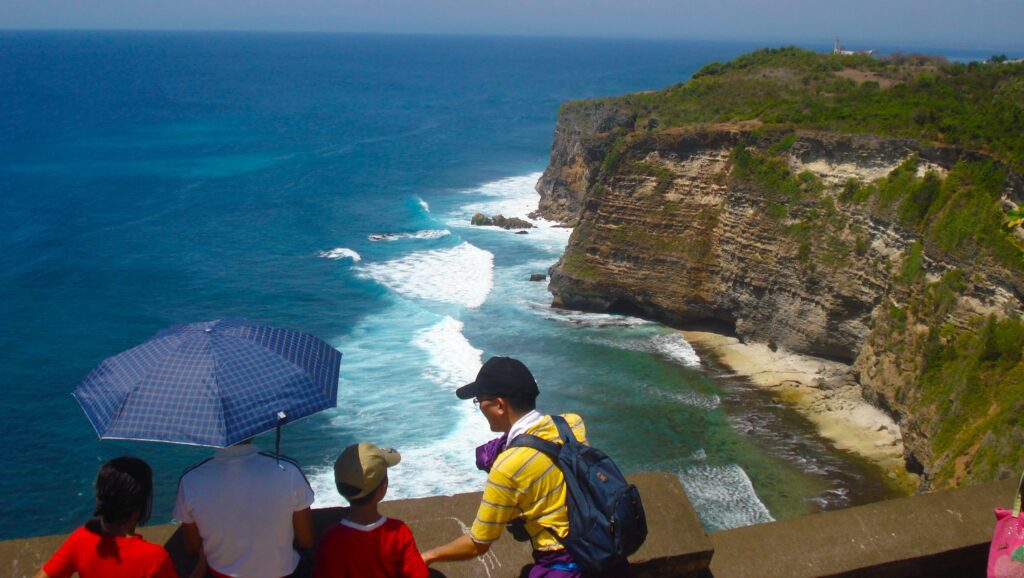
(978, 106)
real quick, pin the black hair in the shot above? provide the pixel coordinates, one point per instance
(124, 486)
(522, 404)
(345, 490)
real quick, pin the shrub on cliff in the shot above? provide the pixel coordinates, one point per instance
(979, 106)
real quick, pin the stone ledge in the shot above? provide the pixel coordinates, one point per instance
(939, 534)
(676, 544)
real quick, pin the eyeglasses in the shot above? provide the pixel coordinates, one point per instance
(478, 400)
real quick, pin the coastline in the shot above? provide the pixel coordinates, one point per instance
(821, 390)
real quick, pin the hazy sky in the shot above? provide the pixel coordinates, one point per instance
(995, 24)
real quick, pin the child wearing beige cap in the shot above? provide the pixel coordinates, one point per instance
(365, 544)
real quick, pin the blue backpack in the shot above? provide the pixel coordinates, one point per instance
(606, 518)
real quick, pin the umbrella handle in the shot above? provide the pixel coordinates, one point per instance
(277, 437)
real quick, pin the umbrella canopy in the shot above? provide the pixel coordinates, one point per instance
(210, 384)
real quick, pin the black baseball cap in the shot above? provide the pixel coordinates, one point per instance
(501, 377)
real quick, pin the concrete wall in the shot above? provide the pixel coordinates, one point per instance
(940, 534)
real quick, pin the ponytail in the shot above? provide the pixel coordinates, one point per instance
(124, 486)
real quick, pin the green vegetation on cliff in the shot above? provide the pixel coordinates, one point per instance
(734, 183)
(976, 106)
(969, 380)
(960, 215)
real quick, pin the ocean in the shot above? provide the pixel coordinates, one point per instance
(325, 183)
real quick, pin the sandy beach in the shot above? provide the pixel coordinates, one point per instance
(821, 390)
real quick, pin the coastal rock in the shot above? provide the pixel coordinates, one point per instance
(669, 232)
(538, 277)
(480, 219)
(585, 132)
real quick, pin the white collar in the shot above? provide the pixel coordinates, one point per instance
(524, 423)
(362, 528)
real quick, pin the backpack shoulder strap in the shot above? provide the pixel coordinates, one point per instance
(564, 430)
(531, 441)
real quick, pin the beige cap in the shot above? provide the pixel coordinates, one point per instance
(362, 467)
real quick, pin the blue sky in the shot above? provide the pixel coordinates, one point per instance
(996, 24)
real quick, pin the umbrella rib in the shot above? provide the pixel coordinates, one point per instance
(88, 416)
(298, 369)
(211, 387)
(301, 370)
(135, 386)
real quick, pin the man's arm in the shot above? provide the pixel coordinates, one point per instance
(461, 548)
(193, 541)
(302, 525)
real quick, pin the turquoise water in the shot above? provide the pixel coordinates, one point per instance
(325, 183)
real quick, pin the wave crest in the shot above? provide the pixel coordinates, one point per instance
(723, 496)
(340, 253)
(424, 234)
(462, 275)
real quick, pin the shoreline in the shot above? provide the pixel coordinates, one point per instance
(821, 390)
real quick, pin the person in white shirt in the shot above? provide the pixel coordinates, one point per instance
(247, 512)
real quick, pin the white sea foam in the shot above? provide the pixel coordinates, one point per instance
(705, 401)
(447, 465)
(453, 360)
(423, 204)
(340, 253)
(724, 496)
(671, 346)
(441, 460)
(582, 319)
(513, 197)
(676, 348)
(424, 234)
(462, 275)
(694, 399)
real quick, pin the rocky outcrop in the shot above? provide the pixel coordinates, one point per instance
(482, 220)
(665, 229)
(585, 133)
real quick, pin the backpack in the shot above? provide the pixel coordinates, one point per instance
(606, 518)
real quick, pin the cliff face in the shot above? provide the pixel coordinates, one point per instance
(581, 146)
(669, 227)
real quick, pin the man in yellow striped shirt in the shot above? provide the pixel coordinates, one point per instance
(522, 483)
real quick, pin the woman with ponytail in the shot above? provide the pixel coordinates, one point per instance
(107, 545)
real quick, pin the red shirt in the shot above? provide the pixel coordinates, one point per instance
(382, 550)
(96, 556)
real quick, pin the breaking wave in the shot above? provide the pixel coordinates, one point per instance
(340, 253)
(424, 234)
(723, 496)
(461, 275)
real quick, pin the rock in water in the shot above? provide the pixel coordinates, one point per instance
(482, 220)
(511, 222)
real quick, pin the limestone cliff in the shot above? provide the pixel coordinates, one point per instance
(797, 238)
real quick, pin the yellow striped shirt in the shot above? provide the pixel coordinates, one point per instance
(525, 483)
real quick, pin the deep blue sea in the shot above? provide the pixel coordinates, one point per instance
(325, 183)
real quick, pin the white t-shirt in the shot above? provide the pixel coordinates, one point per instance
(242, 503)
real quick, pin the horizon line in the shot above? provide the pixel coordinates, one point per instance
(762, 42)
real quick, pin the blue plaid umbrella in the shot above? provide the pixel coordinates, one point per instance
(210, 384)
